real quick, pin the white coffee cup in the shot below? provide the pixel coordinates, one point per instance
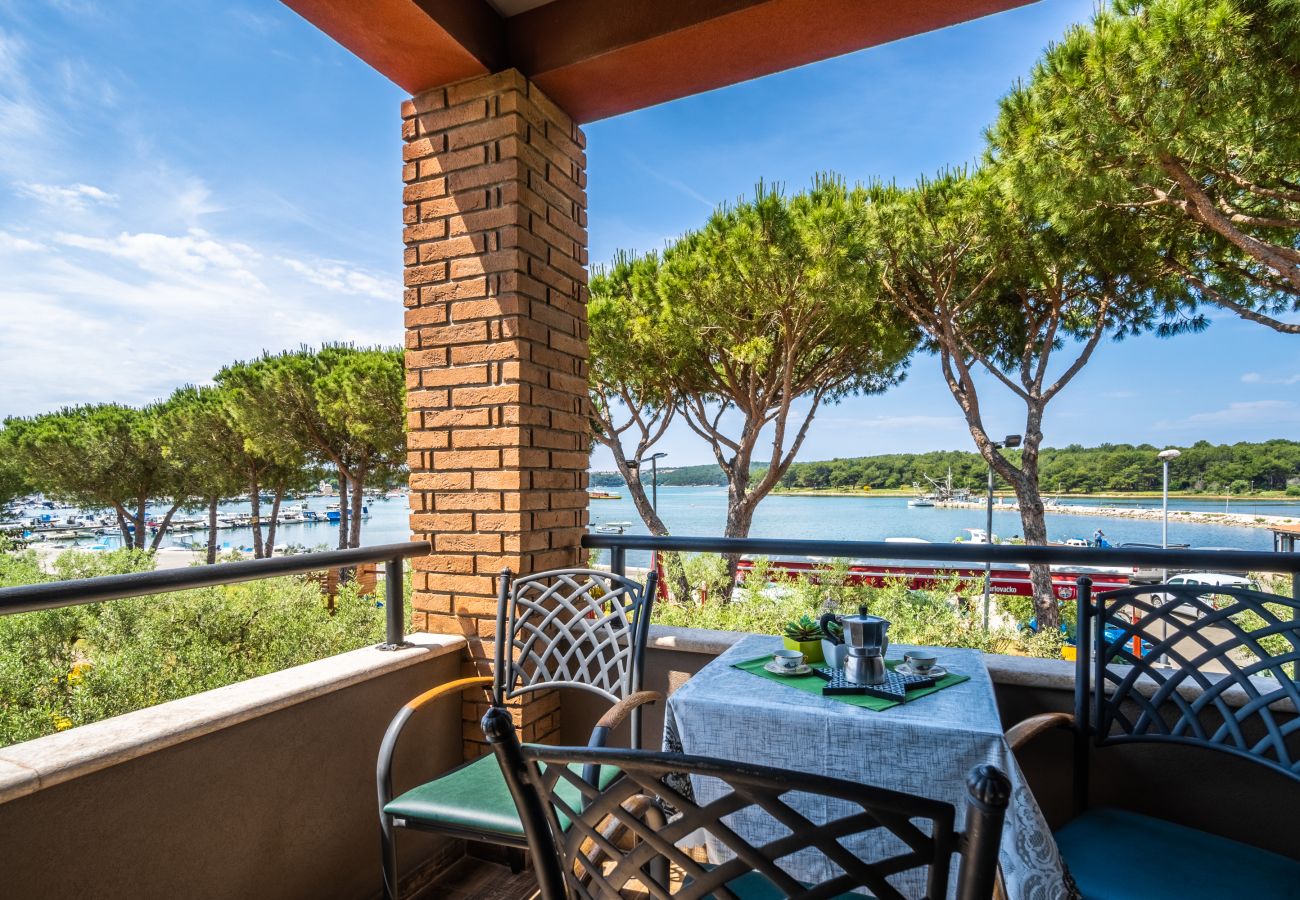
(788, 660)
(920, 663)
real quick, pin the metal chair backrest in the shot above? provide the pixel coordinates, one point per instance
(578, 628)
(569, 822)
(1166, 658)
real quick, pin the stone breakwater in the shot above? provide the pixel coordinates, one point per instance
(1194, 517)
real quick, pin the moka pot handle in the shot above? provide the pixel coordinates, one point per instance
(824, 624)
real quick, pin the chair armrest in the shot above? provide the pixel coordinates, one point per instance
(451, 687)
(1023, 732)
(620, 710)
(611, 720)
(384, 766)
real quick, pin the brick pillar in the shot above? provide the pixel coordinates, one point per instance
(496, 339)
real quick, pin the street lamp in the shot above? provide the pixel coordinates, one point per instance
(654, 477)
(1165, 456)
(1011, 441)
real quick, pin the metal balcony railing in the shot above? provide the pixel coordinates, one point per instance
(1229, 560)
(57, 594)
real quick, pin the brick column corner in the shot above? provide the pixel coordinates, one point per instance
(496, 339)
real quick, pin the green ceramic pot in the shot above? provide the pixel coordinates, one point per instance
(812, 650)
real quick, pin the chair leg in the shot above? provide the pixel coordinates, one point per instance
(516, 859)
(388, 845)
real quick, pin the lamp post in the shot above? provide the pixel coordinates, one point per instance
(1011, 441)
(1165, 456)
(654, 477)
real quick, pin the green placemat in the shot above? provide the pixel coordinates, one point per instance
(813, 684)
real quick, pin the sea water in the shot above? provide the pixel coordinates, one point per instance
(702, 511)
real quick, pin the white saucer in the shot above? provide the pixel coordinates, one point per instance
(934, 671)
(772, 667)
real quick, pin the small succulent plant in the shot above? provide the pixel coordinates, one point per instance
(802, 629)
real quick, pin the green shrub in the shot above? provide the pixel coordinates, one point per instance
(67, 667)
(947, 617)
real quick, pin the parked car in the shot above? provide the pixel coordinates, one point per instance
(1208, 579)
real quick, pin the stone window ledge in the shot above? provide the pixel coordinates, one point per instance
(41, 763)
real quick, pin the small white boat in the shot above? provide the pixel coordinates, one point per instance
(919, 502)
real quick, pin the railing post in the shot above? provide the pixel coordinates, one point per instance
(394, 606)
(618, 560)
(1083, 673)
(1295, 611)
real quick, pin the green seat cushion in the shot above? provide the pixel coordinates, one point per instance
(1114, 854)
(475, 796)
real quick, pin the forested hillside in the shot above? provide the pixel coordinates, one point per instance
(1268, 466)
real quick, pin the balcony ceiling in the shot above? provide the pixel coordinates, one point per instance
(599, 58)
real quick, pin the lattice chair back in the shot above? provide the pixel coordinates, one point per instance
(1166, 659)
(579, 628)
(593, 844)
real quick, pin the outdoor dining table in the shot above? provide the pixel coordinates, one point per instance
(926, 747)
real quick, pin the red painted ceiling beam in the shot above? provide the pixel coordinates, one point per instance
(599, 58)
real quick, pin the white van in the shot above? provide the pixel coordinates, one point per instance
(1209, 579)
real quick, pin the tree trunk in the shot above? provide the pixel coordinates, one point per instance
(343, 508)
(679, 589)
(141, 517)
(212, 529)
(358, 499)
(122, 525)
(740, 516)
(275, 519)
(1033, 520)
(163, 526)
(255, 516)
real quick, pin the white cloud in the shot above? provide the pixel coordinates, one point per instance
(130, 317)
(195, 252)
(1248, 412)
(13, 242)
(1258, 378)
(124, 284)
(337, 276)
(73, 197)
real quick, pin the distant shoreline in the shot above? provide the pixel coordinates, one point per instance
(1262, 496)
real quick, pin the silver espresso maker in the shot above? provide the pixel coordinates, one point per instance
(866, 637)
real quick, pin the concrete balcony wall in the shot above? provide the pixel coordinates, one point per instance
(261, 789)
(266, 788)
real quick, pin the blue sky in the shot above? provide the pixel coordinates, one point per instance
(185, 183)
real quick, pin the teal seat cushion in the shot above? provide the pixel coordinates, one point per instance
(1115, 855)
(475, 796)
(753, 886)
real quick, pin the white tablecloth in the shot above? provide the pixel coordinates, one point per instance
(925, 747)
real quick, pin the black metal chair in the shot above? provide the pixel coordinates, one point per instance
(579, 629)
(1163, 661)
(593, 841)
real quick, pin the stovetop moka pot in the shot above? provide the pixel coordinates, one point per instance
(867, 638)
